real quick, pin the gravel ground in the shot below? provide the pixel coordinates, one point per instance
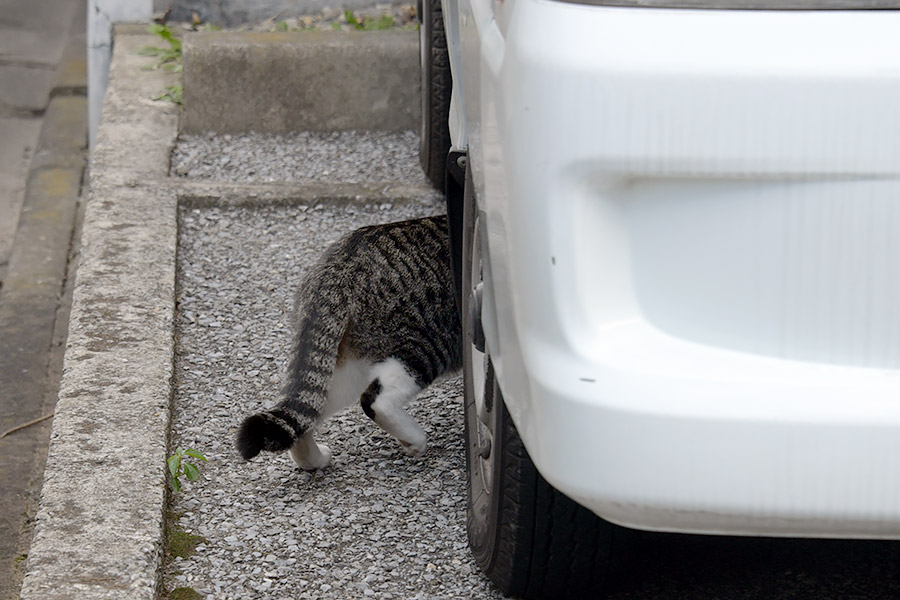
(345, 156)
(330, 18)
(380, 16)
(376, 523)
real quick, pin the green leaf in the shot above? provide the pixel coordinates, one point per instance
(191, 472)
(195, 454)
(174, 462)
(173, 93)
(176, 485)
(165, 33)
(381, 23)
(352, 20)
(176, 94)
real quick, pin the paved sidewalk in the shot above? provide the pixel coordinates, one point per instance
(43, 133)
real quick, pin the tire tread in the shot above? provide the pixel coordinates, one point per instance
(532, 541)
(435, 143)
(562, 554)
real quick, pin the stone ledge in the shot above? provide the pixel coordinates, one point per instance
(98, 532)
(300, 81)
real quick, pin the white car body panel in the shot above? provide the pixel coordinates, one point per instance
(692, 222)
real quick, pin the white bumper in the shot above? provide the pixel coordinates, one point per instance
(694, 240)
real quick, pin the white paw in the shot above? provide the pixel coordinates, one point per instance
(310, 461)
(415, 448)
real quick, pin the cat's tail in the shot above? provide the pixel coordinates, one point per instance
(322, 325)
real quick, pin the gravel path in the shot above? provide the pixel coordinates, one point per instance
(344, 156)
(376, 523)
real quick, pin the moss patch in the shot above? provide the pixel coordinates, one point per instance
(183, 544)
(185, 593)
(179, 542)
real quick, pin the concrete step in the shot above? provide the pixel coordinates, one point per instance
(300, 81)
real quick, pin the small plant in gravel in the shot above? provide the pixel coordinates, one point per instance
(179, 466)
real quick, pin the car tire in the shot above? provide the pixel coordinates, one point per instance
(437, 84)
(531, 540)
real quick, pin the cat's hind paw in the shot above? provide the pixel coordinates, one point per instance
(309, 459)
(414, 448)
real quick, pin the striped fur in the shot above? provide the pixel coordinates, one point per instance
(379, 304)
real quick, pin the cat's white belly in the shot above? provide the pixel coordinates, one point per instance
(351, 377)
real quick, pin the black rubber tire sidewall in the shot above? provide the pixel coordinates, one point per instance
(481, 521)
(531, 540)
(495, 536)
(537, 543)
(436, 88)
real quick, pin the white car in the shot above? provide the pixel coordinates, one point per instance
(677, 232)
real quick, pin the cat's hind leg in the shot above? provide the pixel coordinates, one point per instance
(383, 401)
(308, 455)
(350, 377)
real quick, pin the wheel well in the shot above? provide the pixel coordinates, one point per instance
(455, 193)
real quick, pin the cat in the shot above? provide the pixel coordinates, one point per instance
(376, 320)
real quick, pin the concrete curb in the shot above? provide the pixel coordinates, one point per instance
(307, 80)
(99, 530)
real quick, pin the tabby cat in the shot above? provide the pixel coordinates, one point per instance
(376, 320)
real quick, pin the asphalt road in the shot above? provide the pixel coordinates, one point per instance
(684, 567)
(43, 138)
